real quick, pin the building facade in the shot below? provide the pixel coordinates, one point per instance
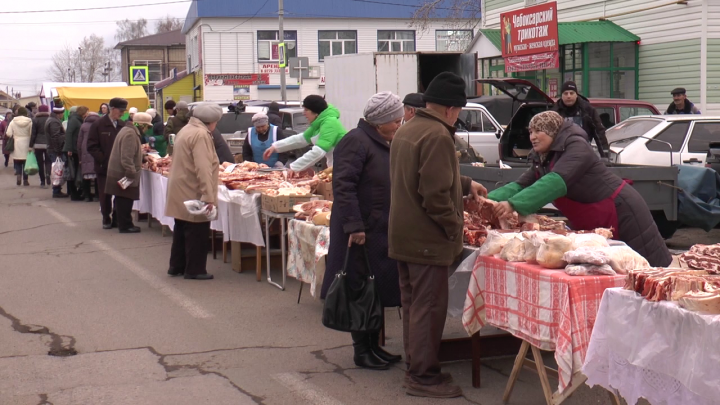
(636, 49)
(161, 53)
(221, 39)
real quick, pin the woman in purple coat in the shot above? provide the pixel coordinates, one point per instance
(361, 212)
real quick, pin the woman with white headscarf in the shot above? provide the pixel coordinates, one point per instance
(361, 212)
(261, 136)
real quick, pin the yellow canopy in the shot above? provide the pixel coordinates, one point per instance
(92, 97)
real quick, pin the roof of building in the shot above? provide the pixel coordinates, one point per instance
(169, 38)
(576, 33)
(396, 9)
(170, 80)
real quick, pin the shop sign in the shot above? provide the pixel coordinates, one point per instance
(236, 79)
(241, 92)
(530, 31)
(322, 81)
(272, 68)
(553, 87)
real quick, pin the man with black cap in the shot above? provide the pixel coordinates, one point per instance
(426, 228)
(412, 102)
(680, 104)
(101, 139)
(575, 108)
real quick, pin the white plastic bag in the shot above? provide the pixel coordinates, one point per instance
(58, 169)
(587, 255)
(495, 243)
(550, 255)
(124, 183)
(514, 250)
(589, 270)
(197, 207)
(588, 239)
(624, 259)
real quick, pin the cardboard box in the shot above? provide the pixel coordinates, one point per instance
(285, 203)
(325, 190)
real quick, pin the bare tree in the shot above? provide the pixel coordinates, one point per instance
(459, 14)
(131, 29)
(63, 65)
(112, 58)
(92, 58)
(168, 24)
(83, 63)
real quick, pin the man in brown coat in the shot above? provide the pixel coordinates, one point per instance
(194, 176)
(426, 228)
(125, 164)
(101, 139)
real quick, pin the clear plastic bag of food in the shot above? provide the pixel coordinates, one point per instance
(587, 255)
(551, 252)
(197, 207)
(624, 259)
(589, 270)
(514, 250)
(533, 241)
(588, 240)
(495, 243)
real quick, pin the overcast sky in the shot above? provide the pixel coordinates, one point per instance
(30, 39)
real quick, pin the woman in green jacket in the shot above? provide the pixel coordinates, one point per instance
(155, 135)
(324, 133)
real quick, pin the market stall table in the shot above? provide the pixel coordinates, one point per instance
(547, 309)
(654, 350)
(308, 245)
(153, 196)
(271, 217)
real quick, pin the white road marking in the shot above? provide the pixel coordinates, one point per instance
(62, 218)
(299, 386)
(170, 292)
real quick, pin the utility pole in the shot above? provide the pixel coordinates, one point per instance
(281, 13)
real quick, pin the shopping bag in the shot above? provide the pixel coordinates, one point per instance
(9, 146)
(353, 310)
(31, 165)
(58, 168)
(69, 174)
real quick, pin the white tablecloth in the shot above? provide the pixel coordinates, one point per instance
(153, 195)
(654, 350)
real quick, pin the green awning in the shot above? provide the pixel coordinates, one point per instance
(580, 33)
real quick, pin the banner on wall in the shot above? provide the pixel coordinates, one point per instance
(529, 38)
(250, 79)
(272, 68)
(241, 92)
(553, 87)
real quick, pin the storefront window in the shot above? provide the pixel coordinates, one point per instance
(600, 83)
(624, 84)
(599, 54)
(624, 54)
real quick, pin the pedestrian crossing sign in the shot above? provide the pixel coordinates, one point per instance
(139, 75)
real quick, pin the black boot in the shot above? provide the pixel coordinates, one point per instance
(380, 352)
(364, 356)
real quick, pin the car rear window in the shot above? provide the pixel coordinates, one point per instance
(628, 130)
(300, 122)
(231, 123)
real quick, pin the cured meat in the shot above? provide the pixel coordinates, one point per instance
(658, 284)
(702, 257)
(701, 301)
(307, 211)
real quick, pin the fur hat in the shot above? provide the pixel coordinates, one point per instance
(382, 108)
(119, 103)
(181, 105)
(133, 110)
(44, 108)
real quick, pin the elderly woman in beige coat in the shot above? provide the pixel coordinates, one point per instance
(194, 176)
(125, 164)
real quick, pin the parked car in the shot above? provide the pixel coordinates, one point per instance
(528, 100)
(480, 130)
(663, 140)
(713, 157)
(233, 128)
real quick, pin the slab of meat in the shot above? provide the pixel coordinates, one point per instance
(474, 237)
(701, 301)
(702, 257)
(658, 284)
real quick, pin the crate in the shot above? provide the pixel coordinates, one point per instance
(325, 190)
(284, 203)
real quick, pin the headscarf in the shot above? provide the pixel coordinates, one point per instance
(548, 122)
(260, 119)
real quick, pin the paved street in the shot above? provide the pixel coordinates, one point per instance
(144, 338)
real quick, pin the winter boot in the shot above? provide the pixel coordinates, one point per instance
(19, 179)
(380, 352)
(364, 356)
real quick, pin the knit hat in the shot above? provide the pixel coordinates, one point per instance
(382, 108)
(548, 122)
(44, 108)
(414, 100)
(22, 111)
(182, 105)
(58, 109)
(260, 119)
(446, 89)
(119, 103)
(152, 112)
(315, 103)
(133, 110)
(206, 112)
(142, 118)
(170, 104)
(569, 86)
(274, 107)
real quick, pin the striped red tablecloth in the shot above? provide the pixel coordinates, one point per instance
(547, 308)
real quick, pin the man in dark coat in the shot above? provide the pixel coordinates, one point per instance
(99, 144)
(274, 114)
(39, 144)
(222, 148)
(177, 122)
(360, 214)
(56, 137)
(680, 104)
(412, 102)
(575, 109)
(75, 121)
(426, 228)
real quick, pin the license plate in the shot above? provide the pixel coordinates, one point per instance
(234, 143)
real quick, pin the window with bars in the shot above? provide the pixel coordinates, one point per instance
(267, 45)
(452, 40)
(336, 43)
(396, 41)
(155, 69)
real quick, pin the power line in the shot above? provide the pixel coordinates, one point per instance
(94, 8)
(79, 22)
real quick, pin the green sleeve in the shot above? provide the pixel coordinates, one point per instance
(161, 145)
(505, 192)
(547, 189)
(331, 132)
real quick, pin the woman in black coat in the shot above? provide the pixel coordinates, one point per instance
(361, 212)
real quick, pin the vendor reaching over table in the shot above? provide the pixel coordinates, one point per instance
(566, 172)
(261, 136)
(324, 133)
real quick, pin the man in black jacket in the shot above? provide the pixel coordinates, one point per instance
(56, 137)
(274, 114)
(99, 144)
(680, 104)
(575, 109)
(39, 143)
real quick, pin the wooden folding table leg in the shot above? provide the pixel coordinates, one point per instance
(475, 342)
(300, 293)
(537, 355)
(258, 263)
(519, 360)
(225, 250)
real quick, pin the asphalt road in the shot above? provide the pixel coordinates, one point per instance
(143, 338)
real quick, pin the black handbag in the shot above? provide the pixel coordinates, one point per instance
(353, 310)
(9, 146)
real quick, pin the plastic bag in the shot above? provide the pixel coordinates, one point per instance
(589, 270)
(532, 243)
(514, 250)
(31, 165)
(550, 255)
(197, 207)
(624, 259)
(124, 183)
(587, 255)
(70, 172)
(589, 240)
(495, 243)
(58, 169)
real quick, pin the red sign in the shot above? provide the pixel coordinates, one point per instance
(553, 87)
(272, 68)
(540, 61)
(236, 79)
(530, 31)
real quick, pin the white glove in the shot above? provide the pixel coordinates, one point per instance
(279, 165)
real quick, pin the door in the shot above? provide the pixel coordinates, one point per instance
(480, 130)
(658, 149)
(519, 89)
(701, 134)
